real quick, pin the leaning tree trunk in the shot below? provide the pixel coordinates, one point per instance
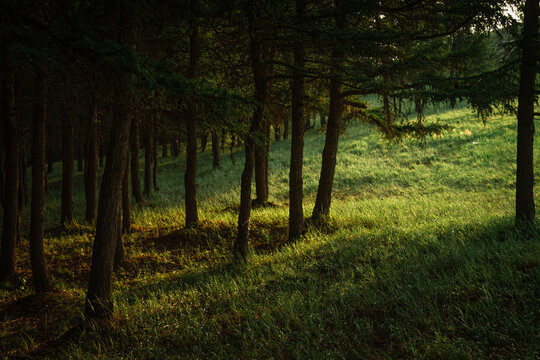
(99, 297)
(261, 89)
(190, 176)
(525, 210)
(148, 157)
(66, 212)
(135, 167)
(216, 150)
(91, 164)
(328, 167)
(11, 186)
(40, 273)
(296, 212)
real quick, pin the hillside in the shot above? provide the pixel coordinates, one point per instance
(419, 260)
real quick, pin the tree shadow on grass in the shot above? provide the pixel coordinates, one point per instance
(391, 295)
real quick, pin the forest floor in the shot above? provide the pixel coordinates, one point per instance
(419, 259)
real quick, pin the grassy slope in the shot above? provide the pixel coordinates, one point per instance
(419, 260)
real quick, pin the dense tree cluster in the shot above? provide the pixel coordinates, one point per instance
(97, 82)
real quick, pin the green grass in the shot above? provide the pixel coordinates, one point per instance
(419, 260)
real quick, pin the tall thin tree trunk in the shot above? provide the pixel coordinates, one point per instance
(135, 167)
(277, 133)
(328, 167)
(525, 209)
(261, 167)
(155, 161)
(126, 208)
(80, 157)
(91, 165)
(8, 258)
(40, 273)
(165, 150)
(99, 296)
(204, 141)
(296, 212)
(148, 157)
(50, 160)
(66, 212)
(286, 130)
(190, 176)
(23, 178)
(261, 89)
(216, 150)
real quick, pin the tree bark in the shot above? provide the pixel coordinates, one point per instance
(66, 212)
(190, 176)
(261, 166)
(286, 130)
(135, 166)
(328, 167)
(148, 157)
(91, 164)
(40, 273)
(99, 302)
(204, 141)
(155, 161)
(11, 165)
(277, 133)
(126, 202)
(525, 209)
(296, 212)
(80, 156)
(261, 89)
(165, 150)
(216, 150)
(50, 160)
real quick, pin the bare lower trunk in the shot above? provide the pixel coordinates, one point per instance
(135, 166)
(261, 168)
(296, 212)
(261, 89)
(190, 176)
(99, 302)
(148, 157)
(91, 165)
(40, 273)
(525, 209)
(328, 167)
(11, 165)
(155, 162)
(126, 209)
(66, 213)
(216, 151)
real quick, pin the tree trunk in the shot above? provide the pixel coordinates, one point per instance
(148, 157)
(175, 151)
(323, 120)
(165, 152)
(66, 212)
(135, 166)
(50, 160)
(99, 302)
(90, 170)
(277, 133)
(261, 89)
(328, 167)
(286, 130)
(11, 166)
(190, 176)
(261, 167)
(23, 178)
(2, 178)
(525, 210)
(216, 150)
(126, 209)
(204, 142)
(80, 156)
(155, 161)
(296, 212)
(40, 273)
